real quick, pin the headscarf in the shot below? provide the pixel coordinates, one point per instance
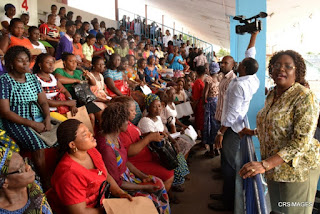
(7, 147)
(150, 98)
(214, 68)
(149, 58)
(8, 6)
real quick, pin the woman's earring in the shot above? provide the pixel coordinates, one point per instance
(75, 150)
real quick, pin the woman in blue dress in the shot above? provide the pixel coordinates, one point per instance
(175, 60)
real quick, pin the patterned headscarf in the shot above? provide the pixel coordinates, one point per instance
(150, 98)
(7, 147)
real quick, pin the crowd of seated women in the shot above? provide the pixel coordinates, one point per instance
(40, 66)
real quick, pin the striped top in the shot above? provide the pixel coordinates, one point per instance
(50, 88)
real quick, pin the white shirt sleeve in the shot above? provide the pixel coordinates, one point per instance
(232, 108)
(251, 52)
(147, 125)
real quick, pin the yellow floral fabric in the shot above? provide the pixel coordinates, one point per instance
(286, 127)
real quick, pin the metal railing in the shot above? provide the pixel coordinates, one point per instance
(254, 190)
(153, 31)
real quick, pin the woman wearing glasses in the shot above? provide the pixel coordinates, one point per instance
(285, 128)
(19, 192)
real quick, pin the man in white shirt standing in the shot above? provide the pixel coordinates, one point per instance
(167, 38)
(237, 93)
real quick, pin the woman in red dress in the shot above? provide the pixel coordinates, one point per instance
(197, 93)
(80, 172)
(138, 152)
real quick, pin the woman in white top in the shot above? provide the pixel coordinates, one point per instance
(34, 36)
(153, 123)
(43, 69)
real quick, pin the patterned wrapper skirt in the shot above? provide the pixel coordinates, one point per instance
(211, 126)
(181, 171)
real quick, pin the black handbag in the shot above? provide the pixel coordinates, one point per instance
(104, 190)
(166, 153)
(83, 93)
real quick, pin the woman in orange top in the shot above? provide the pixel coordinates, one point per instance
(16, 29)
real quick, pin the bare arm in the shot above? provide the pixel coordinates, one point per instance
(205, 92)
(252, 42)
(82, 208)
(110, 84)
(66, 80)
(135, 148)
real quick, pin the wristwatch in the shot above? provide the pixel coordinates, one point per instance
(265, 165)
(220, 133)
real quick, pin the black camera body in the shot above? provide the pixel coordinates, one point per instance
(249, 28)
(251, 24)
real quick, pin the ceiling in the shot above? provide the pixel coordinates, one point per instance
(209, 19)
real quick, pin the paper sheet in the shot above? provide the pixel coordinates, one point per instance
(139, 205)
(184, 109)
(146, 90)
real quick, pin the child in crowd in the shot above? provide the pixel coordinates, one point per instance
(34, 36)
(162, 63)
(210, 98)
(98, 47)
(77, 51)
(141, 65)
(110, 46)
(139, 50)
(62, 28)
(132, 47)
(114, 78)
(87, 48)
(25, 19)
(43, 69)
(146, 53)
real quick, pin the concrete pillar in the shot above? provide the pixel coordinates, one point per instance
(162, 24)
(116, 10)
(238, 45)
(174, 28)
(146, 13)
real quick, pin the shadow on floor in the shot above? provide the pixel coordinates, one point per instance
(195, 198)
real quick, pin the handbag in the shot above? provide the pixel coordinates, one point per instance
(61, 97)
(122, 86)
(83, 93)
(104, 190)
(48, 137)
(166, 153)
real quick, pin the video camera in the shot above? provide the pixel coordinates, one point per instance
(251, 24)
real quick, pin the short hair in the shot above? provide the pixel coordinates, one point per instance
(95, 59)
(90, 36)
(51, 15)
(113, 117)
(24, 14)
(53, 5)
(100, 36)
(32, 28)
(66, 55)
(125, 100)
(13, 22)
(12, 53)
(69, 13)
(298, 62)
(139, 63)
(251, 65)
(129, 55)
(201, 70)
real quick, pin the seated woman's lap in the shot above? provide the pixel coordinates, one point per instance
(25, 138)
(153, 168)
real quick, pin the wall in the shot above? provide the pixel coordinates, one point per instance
(32, 9)
(44, 9)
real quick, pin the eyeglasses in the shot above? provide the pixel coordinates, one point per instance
(286, 66)
(22, 169)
